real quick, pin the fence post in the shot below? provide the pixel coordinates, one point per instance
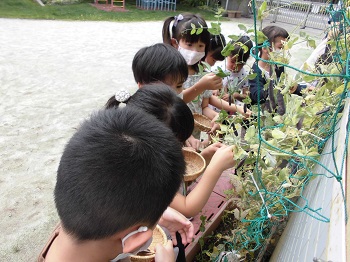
(274, 18)
(306, 16)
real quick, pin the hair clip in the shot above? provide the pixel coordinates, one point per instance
(122, 95)
(177, 19)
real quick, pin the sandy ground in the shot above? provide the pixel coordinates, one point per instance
(53, 74)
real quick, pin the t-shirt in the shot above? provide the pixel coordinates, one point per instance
(53, 236)
(242, 79)
(196, 104)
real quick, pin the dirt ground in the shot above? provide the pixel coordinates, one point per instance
(53, 74)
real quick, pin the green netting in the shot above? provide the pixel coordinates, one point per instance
(279, 157)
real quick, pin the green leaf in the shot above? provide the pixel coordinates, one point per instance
(278, 134)
(291, 42)
(199, 31)
(242, 27)
(308, 78)
(193, 31)
(227, 49)
(214, 31)
(300, 152)
(252, 76)
(302, 34)
(311, 43)
(339, 90)
(206, 65)
(261, 37)
(263, 6)
(221, 73)
(201, 69)
(234, 37)
(236, 213)
(201, 241)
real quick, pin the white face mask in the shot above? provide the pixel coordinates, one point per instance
(190, 56)
(143, 247)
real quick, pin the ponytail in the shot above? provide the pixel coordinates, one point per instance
(166, 30)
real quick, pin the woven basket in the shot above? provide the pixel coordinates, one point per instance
(202, 122)
(159, 237)
(195, 164)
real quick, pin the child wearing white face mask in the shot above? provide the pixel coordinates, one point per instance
(193, 47)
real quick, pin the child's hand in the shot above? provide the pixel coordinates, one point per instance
(223, 158)
(214, 126)
(225, 97)
(164, 253)
(211, 82)
(174, 221)
(193, 142)
(244, 111)
(208, 152)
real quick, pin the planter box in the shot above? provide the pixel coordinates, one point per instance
(234, 14)
(213, 210)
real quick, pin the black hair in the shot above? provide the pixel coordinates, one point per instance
(182, 27)
(121, 168)
(157, 62)
(242, 55)
(217, 44)
(162, 102)
(272, 32)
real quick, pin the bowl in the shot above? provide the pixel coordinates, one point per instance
(195, 164)
(159, 237)
(202, 122)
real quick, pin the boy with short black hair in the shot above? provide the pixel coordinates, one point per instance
(117, 175)
(160, 63)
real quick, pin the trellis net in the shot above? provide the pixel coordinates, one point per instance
(278, 151)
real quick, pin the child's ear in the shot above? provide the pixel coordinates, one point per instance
(174, 43)
(136, 241)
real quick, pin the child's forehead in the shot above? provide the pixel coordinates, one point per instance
(279, 40)
(174, 80)
(192, 41)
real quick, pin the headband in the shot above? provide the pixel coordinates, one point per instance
(177, 19)
(122, 95)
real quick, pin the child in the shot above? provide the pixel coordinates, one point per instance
(217, 44)
(173, 113)
(276, 37)
(108, 196)
(178, 32)
(161, 63)
(193, 47)
(235, 64)
(162, 102)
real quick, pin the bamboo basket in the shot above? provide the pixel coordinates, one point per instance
(159, 237)
(202, 122)
(195, 164)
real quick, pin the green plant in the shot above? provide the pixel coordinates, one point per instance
(277, 149)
